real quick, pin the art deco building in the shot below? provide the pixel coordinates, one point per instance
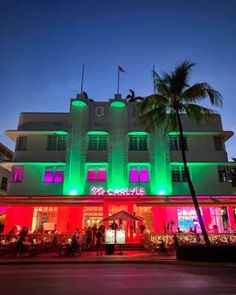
(72, 169)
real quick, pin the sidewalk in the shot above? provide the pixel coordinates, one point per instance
(90, 257)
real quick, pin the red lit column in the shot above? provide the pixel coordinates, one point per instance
(158, 219)
(130, 223)
(206, 214)
(106, 212)
(62, 219)
(75, 218)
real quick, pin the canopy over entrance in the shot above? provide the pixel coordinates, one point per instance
(122, 215)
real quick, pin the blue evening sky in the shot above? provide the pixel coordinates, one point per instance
(43, 44)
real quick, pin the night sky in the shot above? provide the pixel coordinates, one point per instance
(43, 45)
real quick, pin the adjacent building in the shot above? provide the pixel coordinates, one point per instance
(5, 156)
(73, 169)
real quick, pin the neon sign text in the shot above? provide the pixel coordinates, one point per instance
(99, 191)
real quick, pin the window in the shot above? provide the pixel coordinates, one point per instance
(178, 174)
(139, 174)
(176, 144)
(4, 183)
(17, 174)
(21, 143)
(52, 175)
(222, 174)
(95, 174)
(97, 142)
(218, 143)
(44, 218)
(56, 142)
(138, 143)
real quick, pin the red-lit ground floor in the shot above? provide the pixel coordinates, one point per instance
(159, 214)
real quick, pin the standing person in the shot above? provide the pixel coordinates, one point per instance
(20, 244)
(88, 238)
(94, 231)
(2, 226)
(99, 240)
(113, 225)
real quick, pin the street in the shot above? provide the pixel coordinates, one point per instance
(117, 279)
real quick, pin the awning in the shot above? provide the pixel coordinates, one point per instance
(100, 200)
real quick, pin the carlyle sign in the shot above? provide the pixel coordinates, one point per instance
(134, 191)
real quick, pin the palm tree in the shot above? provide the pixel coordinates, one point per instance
(174, 96)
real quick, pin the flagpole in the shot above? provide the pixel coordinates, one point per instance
(118, 80)
(154, 80)
(82, 80)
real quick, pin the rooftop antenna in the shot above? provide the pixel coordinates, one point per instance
(82, 80)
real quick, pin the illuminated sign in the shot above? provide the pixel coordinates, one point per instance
(134, 191)
(120, 237)
(110, 236)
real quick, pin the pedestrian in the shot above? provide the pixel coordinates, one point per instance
(88, 238)
(176, 241)
(99, 240)
(114, 225)
(2, 226)
(20, 243)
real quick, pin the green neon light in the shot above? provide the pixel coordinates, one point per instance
(97, 133)
(161, 192)
(138, 164)
(173, 133)
(79, 103)
(138, 133)
(202, 164)
(96, 164)
(118, 104)
(39, 164)
(61, 132)
(73, 192)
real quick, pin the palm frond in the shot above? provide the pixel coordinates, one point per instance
(201, 91)
(197, 113)
(172, 123)
(151, 102)
(153, 118)
(180, 77)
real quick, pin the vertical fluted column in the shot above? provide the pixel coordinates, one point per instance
(74, 181)
(118, 157)
(160, 163)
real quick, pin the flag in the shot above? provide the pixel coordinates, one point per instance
(121, 70)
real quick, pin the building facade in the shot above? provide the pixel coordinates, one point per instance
(5, 156)
(73, 169)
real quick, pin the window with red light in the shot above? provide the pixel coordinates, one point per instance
(139, 174)
(96, 174)
(17, 174)
(53, 175)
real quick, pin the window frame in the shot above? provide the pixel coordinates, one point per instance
(138, 143)
(222, 174)
(175, 143)
(21, 143)
(138, 170)
(56, 142)
(218, 143)
(97, 142)
(4, 183)
(178, 174)
(17, 177)
(54, 171)
(96, 170)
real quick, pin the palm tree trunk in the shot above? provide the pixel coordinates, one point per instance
(190, 184)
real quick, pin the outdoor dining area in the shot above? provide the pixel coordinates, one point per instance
(108, 237)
